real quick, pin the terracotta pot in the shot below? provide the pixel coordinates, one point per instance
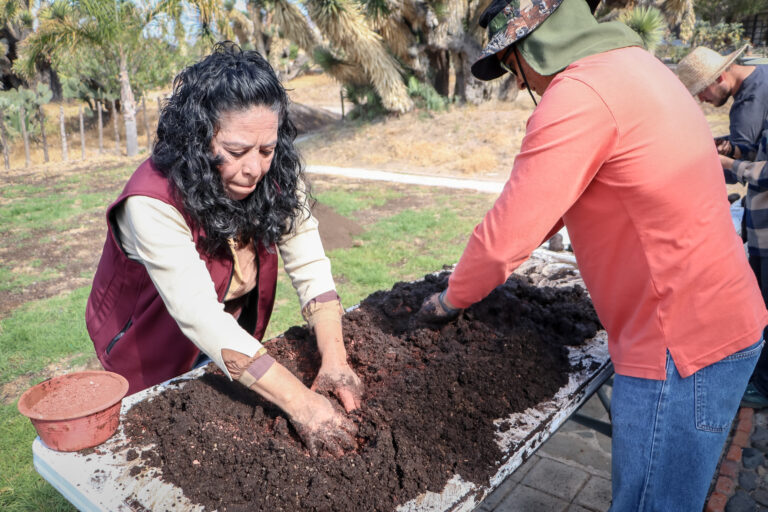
(75, 411)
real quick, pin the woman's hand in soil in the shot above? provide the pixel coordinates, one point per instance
(341, 381)
(335, 375)
(436, 310)
(323, 428)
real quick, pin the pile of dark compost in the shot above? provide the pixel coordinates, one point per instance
(432, 395)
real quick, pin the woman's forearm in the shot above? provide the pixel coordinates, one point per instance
(282, 388)
(330, 343)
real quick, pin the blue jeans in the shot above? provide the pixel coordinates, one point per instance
(668, 434)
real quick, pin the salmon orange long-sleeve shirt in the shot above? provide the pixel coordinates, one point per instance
(621, 153)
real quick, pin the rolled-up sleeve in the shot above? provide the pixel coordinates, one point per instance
(751, 173)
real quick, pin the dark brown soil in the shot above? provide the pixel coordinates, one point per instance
(432, 395)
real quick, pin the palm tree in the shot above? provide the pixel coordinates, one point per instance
(679, 13)
(16, 23)
(345, 26)
(110, 27)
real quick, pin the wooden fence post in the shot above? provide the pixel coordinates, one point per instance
(341, 95)
(146, 123)
(5, 142)
(63, 134)
(41, 118)
(101, 128)
(24, 135)
(117, 131)
(82, 135)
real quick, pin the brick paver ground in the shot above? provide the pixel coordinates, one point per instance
(741, 483)
(571, 471)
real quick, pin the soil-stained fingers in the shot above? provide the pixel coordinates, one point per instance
(349, 399)
(334, 436)
(344, 383)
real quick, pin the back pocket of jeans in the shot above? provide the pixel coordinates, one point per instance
(719, 388)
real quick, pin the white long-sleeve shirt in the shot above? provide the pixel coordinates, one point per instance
(156, 234)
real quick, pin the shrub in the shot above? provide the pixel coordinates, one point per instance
(367, 104)
(648, 22)
(10, 103)
(425, 95)
(721, 37)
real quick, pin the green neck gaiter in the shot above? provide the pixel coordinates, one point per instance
(569, 34)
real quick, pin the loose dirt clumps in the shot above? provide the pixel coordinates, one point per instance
(432, 394)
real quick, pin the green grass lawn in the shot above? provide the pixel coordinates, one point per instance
(399, 244)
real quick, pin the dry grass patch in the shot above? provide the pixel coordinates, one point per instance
(315, 90)
(464, 140)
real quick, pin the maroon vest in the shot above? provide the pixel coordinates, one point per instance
(132, 331)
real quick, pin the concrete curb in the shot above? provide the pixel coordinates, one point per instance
(728, 475)
(490, 187)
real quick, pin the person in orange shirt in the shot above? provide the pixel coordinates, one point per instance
(619, 152)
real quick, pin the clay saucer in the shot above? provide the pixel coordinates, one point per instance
(75, 411)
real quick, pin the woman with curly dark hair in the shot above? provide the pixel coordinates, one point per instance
(190, 260)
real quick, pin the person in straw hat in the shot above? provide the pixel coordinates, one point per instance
(714, 78)
(614, 139)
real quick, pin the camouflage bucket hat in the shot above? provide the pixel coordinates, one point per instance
(507, 22)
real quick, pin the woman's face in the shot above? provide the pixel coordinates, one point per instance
(246, 142)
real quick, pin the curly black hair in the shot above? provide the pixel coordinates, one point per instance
(228, 80)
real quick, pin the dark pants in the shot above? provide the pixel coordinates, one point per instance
(760, 374)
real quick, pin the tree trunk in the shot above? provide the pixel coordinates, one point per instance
(508, 90)
(460, 72)
(63, 132)
(41, 118)
(82, 135)
(5, 143)
(114, 124)
(128, 106)
(25, 136)
(469, 89)
(440, 64)
(146, 123)
(101, 128)
(48, 75)
(258, 28)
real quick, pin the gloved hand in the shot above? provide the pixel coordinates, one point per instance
(342, 381)
(322, 428)
(436, 310)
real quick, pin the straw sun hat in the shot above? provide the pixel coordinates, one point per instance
(702, 66)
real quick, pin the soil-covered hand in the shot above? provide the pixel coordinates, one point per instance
(342, 382)
(435, 310)
(323, 428)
